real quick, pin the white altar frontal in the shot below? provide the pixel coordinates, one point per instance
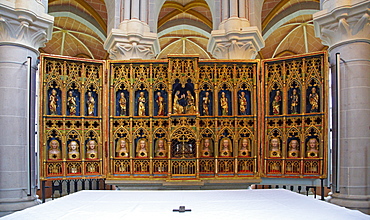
(204, 204)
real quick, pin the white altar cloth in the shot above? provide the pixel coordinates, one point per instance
(204, 204)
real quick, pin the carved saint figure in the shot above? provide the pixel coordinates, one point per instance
(121, 149)
(53, 102)
(54, 150)
(161, 149)
(294, 102)
(314, 100)
(242, 104)
(312, 148)
(91, 152)
(141, 149)
(160, 103)
(73, 151)
(71, 103)
(190, 103)
(275, 147)
(177, 107)
(205, 104)
(244, 148)
(90, 104)
(293, 149)
(276, 103)
(141, 104)
(225, 148)
(224, 104)
(122, 104)
(206, 148)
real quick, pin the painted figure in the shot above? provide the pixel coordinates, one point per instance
(225, 148)
(190, 103)
(73, 151)
(122, 104)
(293, 148)
(54, 150)
(177, 108)
(205, 104)
(161, 149)
(71, 103)
(244, 148)
(141, 104)
(312, 148)
(206, 149)
(90, 104)
(275, 147)
(294, 102)
(224, 104)
(53, 102)
(276, 103)
(91, 152)
(314, 100)
(141, 149)
(160, 103)
(242, 104)
(121, 149)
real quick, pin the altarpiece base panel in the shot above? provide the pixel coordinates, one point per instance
(183, 118)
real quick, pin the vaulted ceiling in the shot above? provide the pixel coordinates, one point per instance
(184, 27)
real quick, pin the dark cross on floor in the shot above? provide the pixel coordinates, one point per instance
(181, 209)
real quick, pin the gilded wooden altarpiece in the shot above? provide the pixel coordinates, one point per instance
(183, 118)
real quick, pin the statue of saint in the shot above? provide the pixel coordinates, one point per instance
(294, 102)
(314, 100)
(244, 148)
(312, 148)
(224, 104)
(275, 147)
(242, 104)
(90, 104)
(53, 102)
(293, 149)
(190, 106)
(205, 104)
(141, 104)
(276, 103)
(71, 103)
(54, 150)
(161, 148)
(177, 107)
(160, 103)
(225, 148)
(206, 150)
(121, 149)
(91, 152)
(122, 104)
(73, 151)
(142, 149)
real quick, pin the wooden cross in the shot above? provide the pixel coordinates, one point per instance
(181, 209)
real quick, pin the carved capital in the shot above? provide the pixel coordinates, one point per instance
(132, 41)
(24, 27)
(235, 43)
(343, 24)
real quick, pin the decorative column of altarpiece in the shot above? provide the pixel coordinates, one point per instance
(182, 118)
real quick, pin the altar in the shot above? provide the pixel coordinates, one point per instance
(204, 204)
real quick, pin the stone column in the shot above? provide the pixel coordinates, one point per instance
(24, 27)
(344, 27)
(235, 37)
(132, 39)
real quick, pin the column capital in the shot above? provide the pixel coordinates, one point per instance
(235, 39)
(344, 23)
(24, 25)
(133, 40)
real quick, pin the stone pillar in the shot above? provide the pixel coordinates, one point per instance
(235, 37)
(133, 39)
(24, 27)
(344, 27)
